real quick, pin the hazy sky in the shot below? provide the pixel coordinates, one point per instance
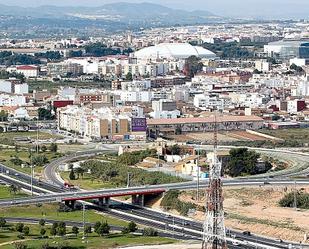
(244, 8)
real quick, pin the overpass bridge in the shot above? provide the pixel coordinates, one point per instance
(138, 193)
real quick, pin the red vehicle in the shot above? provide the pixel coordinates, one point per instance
(68, 185)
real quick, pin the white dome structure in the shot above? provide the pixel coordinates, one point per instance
(173, 51)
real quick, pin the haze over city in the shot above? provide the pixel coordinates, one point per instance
(232, 8)
(162, 124)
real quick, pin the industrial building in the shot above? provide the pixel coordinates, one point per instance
(172, 126)
(288, 49)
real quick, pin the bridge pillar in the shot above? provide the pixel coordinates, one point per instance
(104, 201)
(138, 200)
(70, 204)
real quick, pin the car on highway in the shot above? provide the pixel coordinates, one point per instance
(248, 233)
(235, 243)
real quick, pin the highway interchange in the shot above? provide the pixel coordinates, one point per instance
(53, 191)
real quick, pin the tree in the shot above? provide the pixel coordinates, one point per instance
(148, 231)
(88, 229)
(3, 116)
(43, 148)
(78, 53)
(132, 227)
(20, 245)
(178, 130)
(99, 49)
(19, 227)
(53, 229)
(175, 149)
(242, 162)
(61, 229)
(97, 226)
(26, 230)
(45, 245)
(13, 189)
(103, 229)
(53, 147)
(42, 231)
(42, 222)
(129, 76)
(39, 160)
(72, 175)
(79, 171)
(45, 114)
(16, 161)
(2, 222)
(192, 66)
(75, 230)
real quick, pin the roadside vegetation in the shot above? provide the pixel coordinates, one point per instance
(56, 212)
(299, 199)
(21, 158)
(114, 172)
(171, 201)
(10, 191)
(244, 162)
(60, 235)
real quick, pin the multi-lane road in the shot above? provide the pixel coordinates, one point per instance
(54, 192)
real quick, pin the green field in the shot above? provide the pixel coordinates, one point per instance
(92, 241)
(30, 134)
(5, 193)
(297, 137)
(49, 211)
(49, 85)
(86, 183)
(7, 154)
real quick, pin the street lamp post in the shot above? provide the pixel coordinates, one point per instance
(84, 209)
(198, 175)
(128, 180)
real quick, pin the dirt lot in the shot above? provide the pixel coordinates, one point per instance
(256, 209)
(230, 136)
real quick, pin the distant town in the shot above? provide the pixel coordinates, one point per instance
(204, 121)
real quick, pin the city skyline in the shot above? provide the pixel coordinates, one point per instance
(237, 8)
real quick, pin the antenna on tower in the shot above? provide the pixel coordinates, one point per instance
(215, 132)
(214, 236)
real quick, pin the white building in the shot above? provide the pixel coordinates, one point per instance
(6, 86)
(133, 96)
(262, 66)
(12, 100)
(165, 114)
(28, 71)
(164, 105)
(22, 88)
(135, 85)
(204, 101)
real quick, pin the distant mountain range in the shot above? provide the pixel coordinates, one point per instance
(118, 12)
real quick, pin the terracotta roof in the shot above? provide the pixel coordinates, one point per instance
(26, 67)
(203, 120)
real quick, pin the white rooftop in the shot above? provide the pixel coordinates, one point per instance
(173, 50)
